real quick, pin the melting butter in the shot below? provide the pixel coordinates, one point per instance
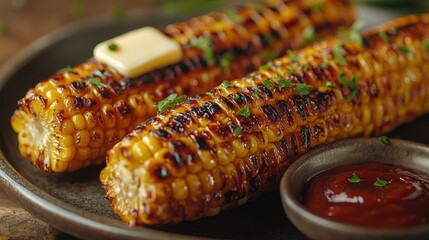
(138, 52)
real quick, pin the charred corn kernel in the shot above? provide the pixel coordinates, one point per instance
(122, 103)
(79, 121)
(281, 126)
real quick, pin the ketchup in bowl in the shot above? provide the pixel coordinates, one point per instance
(371, 195)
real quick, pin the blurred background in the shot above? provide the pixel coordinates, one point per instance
(24, 21)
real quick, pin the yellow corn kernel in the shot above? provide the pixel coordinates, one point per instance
(207, 159)
(65, 140)
(82, 138)
(207, 181)
(140, 150)
(52, 96)
(79, 121)
(67, 127)
(180, 189)
(108, 117)
(83, 153)
(152, 142)
(90, 120)
(97, 137)
(239, 148)
(194, 185)
(67, 153)
(162, 192)
(59, 166)
(138, 104)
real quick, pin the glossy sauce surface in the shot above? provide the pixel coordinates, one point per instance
(371, 195)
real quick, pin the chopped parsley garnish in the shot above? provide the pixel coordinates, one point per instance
(338, 54)
(384, 36)
(268, 83)
(317, 6)
(118, 13)
(330, 85)
(291, 54)
(225, 60)
(354, 178)
(245, 111)
(305, 67)
(426, 45)
(209, 93)
(352, 85)
(290, 71)
(353, 34)
(236, 96)
(255, 93)
(283, 83)
(169, 101)
(236, 129)
(404, 49)
(233, 16)
(383, 140)
(226, 84)
(309, 34)
(322, 66)
(96, 81)
(113, 47)
(266, 66)
(302, 88)
(381, 183)
(67, 69)
(269, 54)
(204, 43)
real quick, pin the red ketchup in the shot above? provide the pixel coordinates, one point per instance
(371, 195)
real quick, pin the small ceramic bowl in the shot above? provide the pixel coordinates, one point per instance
(349, 152)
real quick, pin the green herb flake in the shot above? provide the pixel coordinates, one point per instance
(245, 111)
(309, 34)
(351, 85)
(290, 71)
(330, 85)
(118, 13)
(204, 43)
(317, 6)
(384, 36)
(96, 81)
(226, 84)
(269, 55)
(209, 93)
(426, 45)
(233, 16)
(236, 96)
(169, 101)
(338, 54)
(305, 67)
(291, 54)
(303, 89)
(67, 69)
(268, 83)
(322, 66)
(255, 93)
(381, 183)
(383, 140)
(404, 49)
(266, 66)
(113, 47)
(226, 59)
(283, 83)
(355, 178)
(236, 129)
(270, 39)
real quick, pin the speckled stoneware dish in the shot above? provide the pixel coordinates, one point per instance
(73, 202)
(349, 152)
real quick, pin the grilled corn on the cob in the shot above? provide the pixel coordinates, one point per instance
(70, 120)
(217, 151)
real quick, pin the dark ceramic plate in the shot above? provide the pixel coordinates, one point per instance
(73, 202)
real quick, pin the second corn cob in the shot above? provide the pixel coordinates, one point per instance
(70, 120)
(219, 150)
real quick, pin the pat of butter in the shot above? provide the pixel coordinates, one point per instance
(139, 52)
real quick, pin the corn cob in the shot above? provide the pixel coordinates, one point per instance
(68, 121)
(217, 151)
